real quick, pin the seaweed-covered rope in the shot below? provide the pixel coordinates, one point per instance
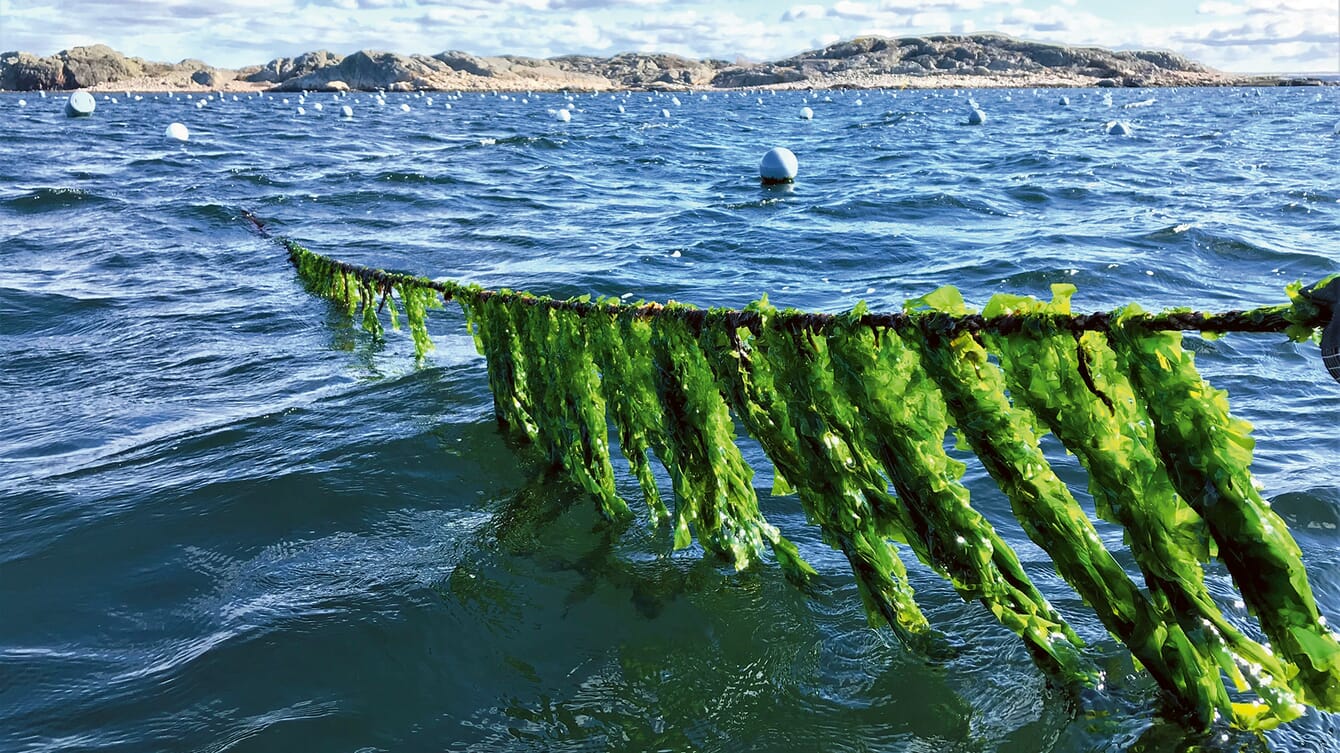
(1312, 308)
(853, 411)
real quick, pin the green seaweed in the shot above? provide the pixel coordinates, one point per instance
(852, 411)
(1075, 386)
(1004, 439)
(900, 416)
(1208, 455)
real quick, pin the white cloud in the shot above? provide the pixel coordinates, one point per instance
(1231, 34)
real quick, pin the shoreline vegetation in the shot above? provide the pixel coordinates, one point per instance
(942, 61)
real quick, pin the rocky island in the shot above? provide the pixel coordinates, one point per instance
(936, 61)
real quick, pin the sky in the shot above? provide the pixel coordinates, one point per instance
(1245, 36)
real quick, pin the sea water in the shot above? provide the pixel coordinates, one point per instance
(231, 521)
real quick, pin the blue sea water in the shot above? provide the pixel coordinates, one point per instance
(229, 521)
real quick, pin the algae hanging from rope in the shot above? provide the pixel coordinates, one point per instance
(852, 410)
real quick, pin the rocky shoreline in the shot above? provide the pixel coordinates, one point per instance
(936, 61)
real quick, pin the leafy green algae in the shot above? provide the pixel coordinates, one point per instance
(853, 410)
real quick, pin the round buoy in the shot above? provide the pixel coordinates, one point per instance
(404, 107)
(779, 165)
(347, 111)
(1065, 101)
(1117, 128)
(665, 113)
(80, 105)
(23, 103)
(563, 115)
(976, 117)
(302, 111)
(177, 131)
(806, 113)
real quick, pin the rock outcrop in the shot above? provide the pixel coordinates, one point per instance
(979, 55)
(280, 70)
(936, 60)
(98, 66)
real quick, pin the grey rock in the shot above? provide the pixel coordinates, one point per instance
(96, 64)
(761, 76)
(204, 78)
(22, 71)
(370, 70)
(283, 69)
(467, 63)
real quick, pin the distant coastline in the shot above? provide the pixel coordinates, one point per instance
(935, 61)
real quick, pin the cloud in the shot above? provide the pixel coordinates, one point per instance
(1256, 35)
(804, 13)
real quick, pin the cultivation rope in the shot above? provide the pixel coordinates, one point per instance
(853, 410)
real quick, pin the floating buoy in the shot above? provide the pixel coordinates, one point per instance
(177, 131)
(302, 111)
(404, 107)
(779, 165)
(806, 113)
(563, 115)
(317, 106)
(976, 116)
(621, 108)
(80, 105)
(347, 111)
(1117, 128)
(665, 113)
(23, 103)
(1064, 101)
(674, 101)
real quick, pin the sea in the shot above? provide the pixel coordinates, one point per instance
(232, 521)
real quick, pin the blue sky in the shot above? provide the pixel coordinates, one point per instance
(1233, 35)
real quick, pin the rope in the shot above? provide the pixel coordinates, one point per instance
(1320, 304)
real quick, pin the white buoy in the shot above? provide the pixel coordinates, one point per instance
(563, 115)
(1064, 101)
(80, 105)
(779, 165)
(1117, 128)
(177, 131)
(665, 113)
(976, 116)
(302, 111)
(621, 108)
(674, 101)
(347, 111)
(317, 106)
(806, 113)
(404, 107)
(23, 103)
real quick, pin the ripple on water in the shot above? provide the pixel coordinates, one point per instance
(233, 520)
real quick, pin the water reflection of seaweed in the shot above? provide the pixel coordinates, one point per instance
(524, 527)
